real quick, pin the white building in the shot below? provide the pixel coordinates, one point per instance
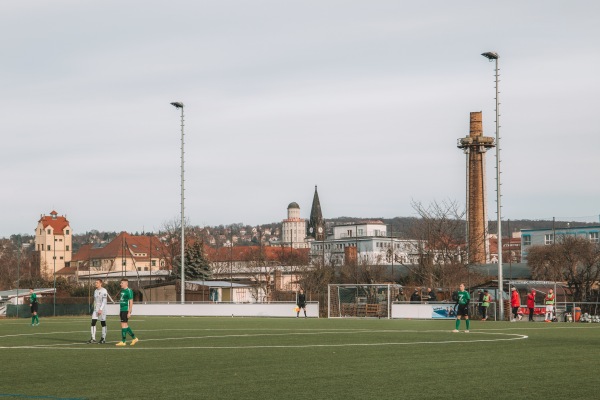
(294, 228)
(53, 242)
(366, 243)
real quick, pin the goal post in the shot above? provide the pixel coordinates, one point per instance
(361, 300)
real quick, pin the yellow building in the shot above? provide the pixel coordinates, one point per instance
(53, 242)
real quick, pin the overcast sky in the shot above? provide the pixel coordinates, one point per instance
(365, 99)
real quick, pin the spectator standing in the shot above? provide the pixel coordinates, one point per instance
(415, 297)
(480, 302)
(531, 304)
(431, 295)
(485, 303)
(401, 296)
(549, 300)
(515, 303)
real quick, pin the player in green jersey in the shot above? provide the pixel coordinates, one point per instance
(462, 301)
(33, 304)
(126, 303)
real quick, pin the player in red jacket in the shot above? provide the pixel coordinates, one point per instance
(531, 304)
(515, 303)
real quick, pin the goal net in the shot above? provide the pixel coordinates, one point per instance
(361, 301)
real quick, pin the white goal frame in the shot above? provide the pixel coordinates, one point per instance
(361, 300)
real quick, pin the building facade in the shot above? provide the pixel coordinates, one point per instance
(54, 244)
(541, 237)
(124, 253)
(364, 243)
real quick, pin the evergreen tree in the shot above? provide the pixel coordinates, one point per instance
(197, 266)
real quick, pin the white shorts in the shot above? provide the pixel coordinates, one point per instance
(101, 317)
(549, 309)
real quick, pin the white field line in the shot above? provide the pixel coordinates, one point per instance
(81, 345)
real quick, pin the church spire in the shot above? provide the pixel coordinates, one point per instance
(316, 225)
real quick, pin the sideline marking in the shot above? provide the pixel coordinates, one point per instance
(25, 396)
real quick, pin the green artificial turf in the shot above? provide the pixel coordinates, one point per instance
(276, 358)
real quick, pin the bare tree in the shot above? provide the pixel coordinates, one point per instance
(439, 244)
(573, 259)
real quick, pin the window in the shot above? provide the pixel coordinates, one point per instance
(49, 231)
(48, 248)
(67, 248)
(349, 232)
(154, 263)
(548, 238)
(594, 238)
(526, 240)
(67, 232)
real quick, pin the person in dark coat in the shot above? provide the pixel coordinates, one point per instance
(415, 297)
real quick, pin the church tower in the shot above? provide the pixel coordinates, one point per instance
(316, 225)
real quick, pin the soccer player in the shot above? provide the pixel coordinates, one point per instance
(33, 304)
(462, 300)
(99, 313)
(126, 303)
(549, 300)
(301, 303)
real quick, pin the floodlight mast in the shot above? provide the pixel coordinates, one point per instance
(493, 56)
(178, 104)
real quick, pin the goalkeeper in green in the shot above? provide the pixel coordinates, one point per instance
(462, 301)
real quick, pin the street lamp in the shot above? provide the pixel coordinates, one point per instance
(178, 104)
(492, 56)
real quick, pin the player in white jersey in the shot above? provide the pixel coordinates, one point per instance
(99, 313)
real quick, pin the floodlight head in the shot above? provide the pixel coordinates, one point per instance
(490, 55)
(177, 104)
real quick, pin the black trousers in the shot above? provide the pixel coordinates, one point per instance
(484, 312)
(515, 312)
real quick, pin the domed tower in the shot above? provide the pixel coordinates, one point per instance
(294, 228)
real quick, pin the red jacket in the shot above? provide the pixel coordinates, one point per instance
(531, 300)
(515, 299)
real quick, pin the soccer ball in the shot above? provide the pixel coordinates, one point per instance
(297, 309)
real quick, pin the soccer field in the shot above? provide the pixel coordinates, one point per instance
(269, 358)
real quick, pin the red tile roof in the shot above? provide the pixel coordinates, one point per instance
(124, 245)
(57, 223)
(246, 253)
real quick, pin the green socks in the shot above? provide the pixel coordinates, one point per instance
(457, 324)
(125, 331)
(35, 319)
(468, 323)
